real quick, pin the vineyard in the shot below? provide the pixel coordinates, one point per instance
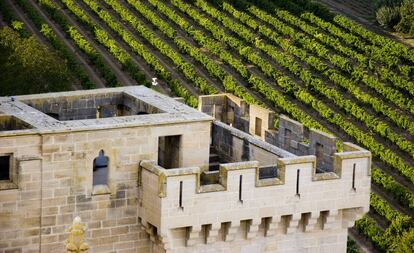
(325, 71)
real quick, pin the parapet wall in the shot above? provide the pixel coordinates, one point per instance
(235, 112)
(291, 135)
(104, 105)
(226, 108)
(234, 145)
(298, 197)
(295, 138)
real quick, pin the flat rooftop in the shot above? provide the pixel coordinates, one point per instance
(91, 110)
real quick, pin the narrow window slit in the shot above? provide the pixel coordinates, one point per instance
(353, 177)
(240, 188)
(180, 200)
(258, 126)
(297, 182)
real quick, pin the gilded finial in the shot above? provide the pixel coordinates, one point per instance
(75, 241)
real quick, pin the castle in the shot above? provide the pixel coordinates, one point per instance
(147, 173)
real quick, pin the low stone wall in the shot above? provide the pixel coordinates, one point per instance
(235, 146)
(10, 123)
(91, 106)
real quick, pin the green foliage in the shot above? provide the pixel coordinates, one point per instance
(405, 244)
(294, 6)
(406, 24)
(187, 69)
(388, 16)
(102, 37)
(6, 12)
(312, 83)
(212, 67)
(389, 3)
(322, 59)
(381, 44)
(369, 228)
(335, 76)
(80, 42)
(17, 25)
(11, 20)
(397, 229)
(219, 49)
(71, 62)
(384, 209)
(28, 66)
(400, 226)
(398, 14)
(351, 246)
(399, 192)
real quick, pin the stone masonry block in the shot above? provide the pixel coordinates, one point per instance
(212, 234)
(253, 228)
(193, 235)
(293, 223)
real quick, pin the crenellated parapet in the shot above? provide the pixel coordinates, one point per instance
(260, 123)
(185, 213)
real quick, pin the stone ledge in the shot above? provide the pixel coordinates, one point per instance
(100, 189)
(325, 176)
(7, 185)
(211, 188)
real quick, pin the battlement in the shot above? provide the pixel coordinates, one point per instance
(297, 199)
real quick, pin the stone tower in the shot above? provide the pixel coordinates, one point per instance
(147, 173)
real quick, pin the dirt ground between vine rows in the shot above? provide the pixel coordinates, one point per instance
(362, 11)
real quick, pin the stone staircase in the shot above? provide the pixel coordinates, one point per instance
(214, 161)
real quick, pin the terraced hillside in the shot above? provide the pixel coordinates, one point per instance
(328, 73)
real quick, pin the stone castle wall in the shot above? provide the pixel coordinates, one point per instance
(145, 207)
(20, 204)
(55, 184)
(296, 212)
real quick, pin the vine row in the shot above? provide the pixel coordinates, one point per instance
(102, 37)
(291, 88)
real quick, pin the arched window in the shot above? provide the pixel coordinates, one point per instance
(100, 169)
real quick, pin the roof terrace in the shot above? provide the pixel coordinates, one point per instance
(93, 109)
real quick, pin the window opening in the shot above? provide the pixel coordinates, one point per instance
(288, 138)
(297, 182)
(180, 199)
(100, 169)
(169, 151)
(258, 127)
(353, 177)
(240, 188)
(319, 156)
(53, 115)
(4, 167)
